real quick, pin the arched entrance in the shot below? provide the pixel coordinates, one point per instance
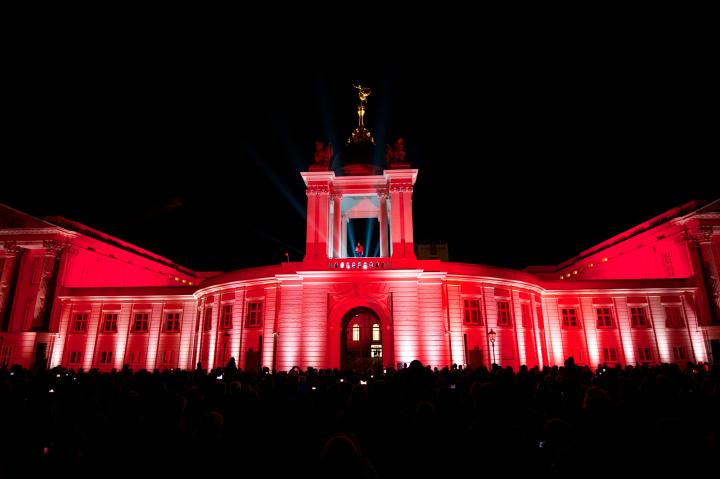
(361, 340)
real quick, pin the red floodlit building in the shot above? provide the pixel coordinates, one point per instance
(73, 296)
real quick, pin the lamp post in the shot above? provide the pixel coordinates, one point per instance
(491, 336)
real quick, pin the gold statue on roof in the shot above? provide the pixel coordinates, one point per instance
(363, 93)
(361, 134)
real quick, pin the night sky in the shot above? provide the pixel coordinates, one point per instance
(529, 148)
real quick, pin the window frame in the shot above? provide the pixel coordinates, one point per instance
(634, 318)
(472, 309)
(504, 315)
(79, 322)
(226, 313)
(566, 316)
(607, 318)
(172, 324)
(109, 323)
(254, 314)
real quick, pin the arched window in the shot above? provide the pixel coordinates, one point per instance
(356, 332)
(376, 332)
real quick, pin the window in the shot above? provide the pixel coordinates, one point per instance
(254, 314)
(674, 317)
(226, 321)
(109, 323)
(172, 322)
(356, 332)
(472, 312)
(680, 353)
(135, 357)
(569, 318)
(79, 324)
(140, 323)
(106, 357)
(609, 354)
(167, 358)
(638, 317)
(5, 353)
(75, 357)
(376, 332)
(526, 316)
(645, 354)
(503, 311)
(207, 322)
(604, 317)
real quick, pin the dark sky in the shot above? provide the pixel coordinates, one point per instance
(530, 146)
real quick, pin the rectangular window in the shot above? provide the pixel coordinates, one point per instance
(207, 322)
(254, 314)
(172, 322)
(109, 323)
(140, 322)
(472, 312)
(75, 357)
(674, 317)
(638, 317)
(604, 317)
(569, 318)
(167, 358)
(356, 332)
(680, 353)
(79, 323)
(609, 354)
(645, 354)
(503, 313)
(376, 332)
(106, 357)
(526, 317)
(135, 357)
(5, 353)
(226, 320)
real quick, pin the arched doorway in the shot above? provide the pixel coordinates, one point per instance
(361, 340)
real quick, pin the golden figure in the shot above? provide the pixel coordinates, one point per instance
(361, 134)
(363, 93)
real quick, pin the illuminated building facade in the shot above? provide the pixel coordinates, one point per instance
(73, 296)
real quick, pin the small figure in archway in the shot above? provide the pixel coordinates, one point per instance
(359, 250)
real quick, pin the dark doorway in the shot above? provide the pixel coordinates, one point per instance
(41, 355)
(715, 350)
(361, 340)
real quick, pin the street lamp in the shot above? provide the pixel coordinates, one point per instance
(491, 336)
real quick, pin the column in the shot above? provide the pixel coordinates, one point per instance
(43, 300)
(408, 239)
(337, 225)
(343, 237)
(694, 250)
(323, 223)
(310, 244)
(396, 222)
(383, 225)
(7, 278)
(710, 271)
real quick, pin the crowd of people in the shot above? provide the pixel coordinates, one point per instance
(409, 422)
